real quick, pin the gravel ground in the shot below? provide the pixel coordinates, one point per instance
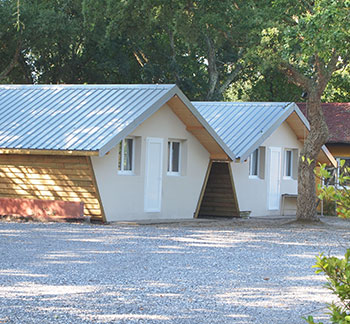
(241, 271)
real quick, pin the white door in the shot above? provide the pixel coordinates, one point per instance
(153, 174)
(275, 178)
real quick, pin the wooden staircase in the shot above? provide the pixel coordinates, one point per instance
(219, 196)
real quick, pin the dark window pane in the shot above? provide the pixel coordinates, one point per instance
(175, 157)
(169, 148)
(288, 163)
(120, 156)
(254, 163)
(128, 143)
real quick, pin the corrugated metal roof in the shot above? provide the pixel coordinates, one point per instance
(243, 126)
(83, 118)
(73, 117)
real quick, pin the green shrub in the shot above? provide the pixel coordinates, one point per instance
(338, 193)
(337, 272)
(329, 208)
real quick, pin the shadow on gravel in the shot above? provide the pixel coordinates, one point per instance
(245, 271)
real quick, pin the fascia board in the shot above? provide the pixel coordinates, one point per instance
(329, 156)
(301, 116)
(205, 124)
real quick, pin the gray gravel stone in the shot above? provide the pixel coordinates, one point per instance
(238, 271)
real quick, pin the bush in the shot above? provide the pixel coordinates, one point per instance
(336, 270)
(329, 208)
(338, 193)
(338, 281)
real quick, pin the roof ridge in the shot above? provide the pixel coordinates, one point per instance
(86, 86)
(244, 102)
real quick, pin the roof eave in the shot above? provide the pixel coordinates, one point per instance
(329, 156)
(205, 124)
(48, 152)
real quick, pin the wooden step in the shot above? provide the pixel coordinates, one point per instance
(218, 214)
(219, 194)
(223, 204)
(216, 209)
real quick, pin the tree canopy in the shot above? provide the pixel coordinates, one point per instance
(209, 48)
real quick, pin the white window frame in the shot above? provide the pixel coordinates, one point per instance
(254, 176)
(121, 158)
(285, 176)
(170, 158)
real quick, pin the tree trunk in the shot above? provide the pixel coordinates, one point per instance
(13, 63)
(212, 69)
(318, 135)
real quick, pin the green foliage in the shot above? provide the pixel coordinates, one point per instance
(209, 48)
(337, 272)
(338, 89)
(338, 193)
(329, 207)
(310, 27)
(258, 83)
(307, 36)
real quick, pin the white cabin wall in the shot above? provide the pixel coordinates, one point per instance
(123, 195)
(252, 194)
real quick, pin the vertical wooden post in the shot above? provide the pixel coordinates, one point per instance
(233, 188)
(203, 189)
(89, 162)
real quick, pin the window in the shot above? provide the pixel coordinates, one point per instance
(174, 157)
(126, 156)
(254, 164)
(288, 163)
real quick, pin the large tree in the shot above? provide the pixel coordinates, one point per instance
(10, 39)
(200, 45)
(309, 41)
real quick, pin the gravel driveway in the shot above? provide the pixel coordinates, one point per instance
(241, 271)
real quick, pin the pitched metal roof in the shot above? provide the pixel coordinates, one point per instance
(337, 116)
(81, 117)
(243, 126)
(71, 117)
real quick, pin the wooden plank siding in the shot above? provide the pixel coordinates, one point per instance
(49, 177)
(219, 197)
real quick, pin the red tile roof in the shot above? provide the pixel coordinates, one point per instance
(337, 117)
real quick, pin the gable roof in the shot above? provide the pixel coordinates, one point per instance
(82, 118)
(337, 116)
(244, 126)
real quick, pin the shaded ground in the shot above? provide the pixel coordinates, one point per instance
(241, 271)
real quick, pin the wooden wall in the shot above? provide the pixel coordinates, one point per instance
(339, 150)
(67, 178)
(219, 198)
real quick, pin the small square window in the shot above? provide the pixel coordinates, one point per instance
(254, 164)
(126, 156)
(174, 151)
(288, 166)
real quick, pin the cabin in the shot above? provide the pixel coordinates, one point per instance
(266, 139)
(126, 152)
